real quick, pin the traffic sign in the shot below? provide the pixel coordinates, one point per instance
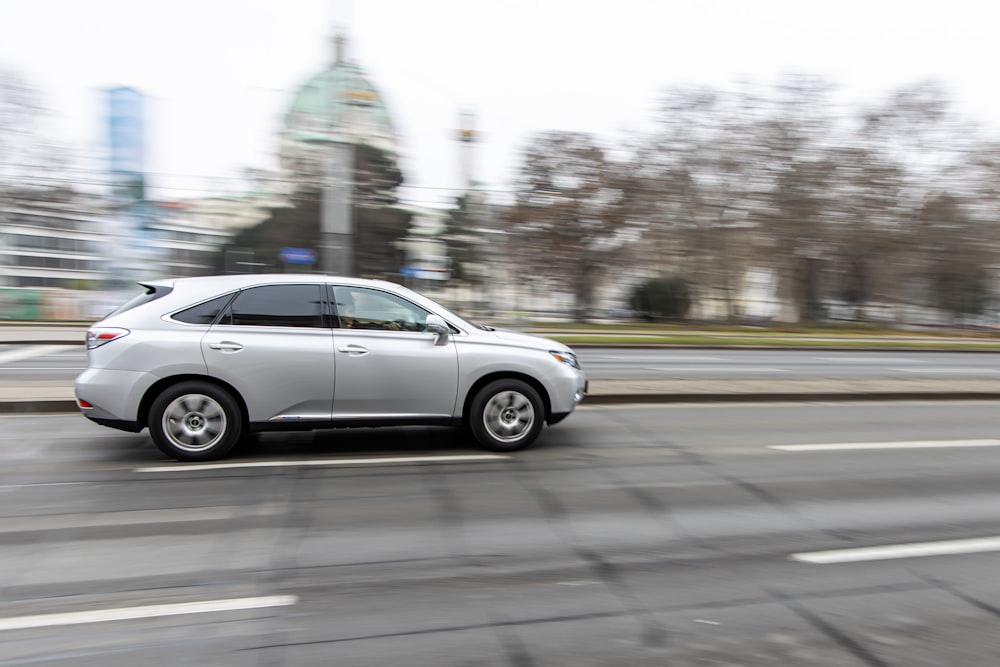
(297, 255)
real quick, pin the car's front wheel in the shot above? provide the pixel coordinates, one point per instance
(195, 421)
(506, 415)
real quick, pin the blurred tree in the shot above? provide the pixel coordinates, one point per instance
(956, 264)
(794, 167)
(826, 202)
(865, 223)
(573, 216)
(931, 150)
(696, 166)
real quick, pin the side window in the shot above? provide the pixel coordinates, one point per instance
(277, 306)
(204, 313)
(363, 308)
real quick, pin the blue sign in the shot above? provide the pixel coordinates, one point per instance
(297, 255)
(424, 273)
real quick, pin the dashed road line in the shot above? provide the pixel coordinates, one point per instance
(469, 458)
(919, 444)
(729, 370)
(965, 370)
(149, 611)
(894, 551)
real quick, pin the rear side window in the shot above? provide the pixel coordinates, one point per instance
(152, 293)
(204, 313)
(277, 306)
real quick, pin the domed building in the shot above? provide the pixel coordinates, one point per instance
(337, 104)
(337, 142)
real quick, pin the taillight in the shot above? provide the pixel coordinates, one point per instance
(97, 337)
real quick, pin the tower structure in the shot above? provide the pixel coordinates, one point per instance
(467, 139)
(339, 177)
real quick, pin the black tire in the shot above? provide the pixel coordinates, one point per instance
(195, 421)
(506, 415)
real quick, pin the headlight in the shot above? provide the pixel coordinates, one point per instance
(566, 357)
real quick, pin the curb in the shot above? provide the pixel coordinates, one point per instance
(786, 397)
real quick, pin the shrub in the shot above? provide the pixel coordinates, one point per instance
(667, 297)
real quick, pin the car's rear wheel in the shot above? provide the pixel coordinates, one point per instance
(195, 421)
(506, 415)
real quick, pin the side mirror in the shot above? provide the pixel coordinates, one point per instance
(436, 325)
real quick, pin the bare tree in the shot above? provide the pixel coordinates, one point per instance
(573, 214)
(699, 164)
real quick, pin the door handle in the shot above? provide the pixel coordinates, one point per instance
(353, 350)
(226, 346)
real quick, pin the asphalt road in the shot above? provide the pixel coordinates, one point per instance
(629, 535)
(64, 362)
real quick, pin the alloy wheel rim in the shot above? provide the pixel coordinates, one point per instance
(194, 422)
(509, 416)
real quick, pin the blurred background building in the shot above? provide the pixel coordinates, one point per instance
(742, 204)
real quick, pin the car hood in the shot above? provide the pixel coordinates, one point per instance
(527, 340)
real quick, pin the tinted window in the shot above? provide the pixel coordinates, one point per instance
(204, 313)
(277, 306)
(362, 308)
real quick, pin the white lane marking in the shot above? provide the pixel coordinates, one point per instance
(869, 360)
(912, 550)
(762, 405)
(150, 611)
(721, 369)
(577, 583)
(960, 371)
(327, 462)
(43, 368)
(652, 359)
(33, 351)
(916, 444)
(25, 486)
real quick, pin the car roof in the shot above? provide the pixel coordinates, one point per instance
(243, 280)
(192, 289)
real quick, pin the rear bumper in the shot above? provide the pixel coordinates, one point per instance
(114, 395)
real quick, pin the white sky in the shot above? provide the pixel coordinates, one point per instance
(219, 73)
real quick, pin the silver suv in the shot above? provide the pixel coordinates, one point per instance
(202, 362)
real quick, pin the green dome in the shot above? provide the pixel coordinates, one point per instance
(342, 102)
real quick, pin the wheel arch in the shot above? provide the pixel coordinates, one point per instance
(506, 375)
(164, 383)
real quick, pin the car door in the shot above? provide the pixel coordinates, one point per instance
(388, 365)
(274, 345)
